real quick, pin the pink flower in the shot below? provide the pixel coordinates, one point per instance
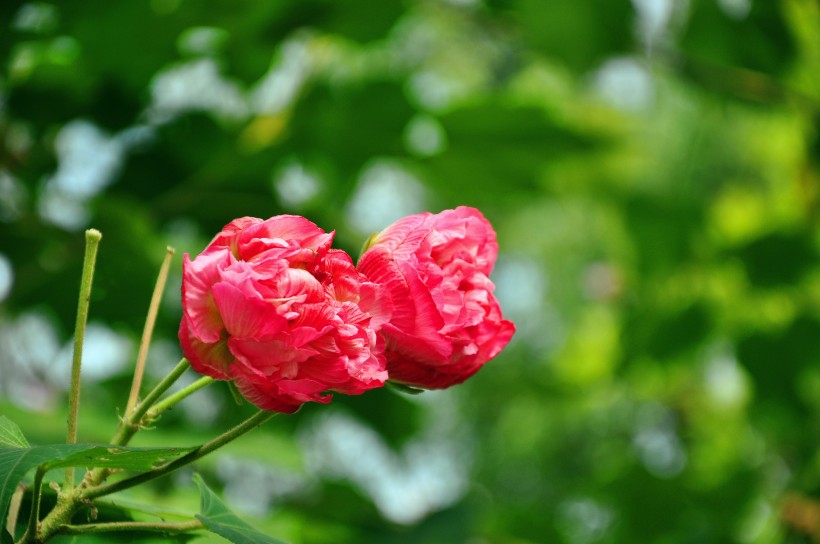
(445, 323)
(269, 305)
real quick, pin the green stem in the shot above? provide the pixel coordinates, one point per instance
(92, 242)
(246, 426)
(159, 527)
(68, 505)
(148, 330)
(173, 400)
(131, 422)
(36, 489)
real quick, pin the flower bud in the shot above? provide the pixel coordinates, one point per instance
(445, 322)
(270, 306)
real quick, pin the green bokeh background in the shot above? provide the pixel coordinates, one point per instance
(651, 168)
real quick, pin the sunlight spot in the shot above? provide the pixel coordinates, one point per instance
(285, 77)
(295, 185)
(429, 474)
(654, 17)
(88, 160)
(29, 345)
(736, 9)
(37, 17)
(724, 380)
(425, 136)
(385, 193)
(432, 90)
(625, 83)
(6, 277)
(656, 442)
(105, 353)
(521, 287)
(66, 211)
(195, 86)
(253, 487)
(584, 521)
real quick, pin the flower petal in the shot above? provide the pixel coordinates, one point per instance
(198, 277)
(229, 236)
(244, 314)
(270, 397)
(281, 228)
(404, 236)
(210, 359)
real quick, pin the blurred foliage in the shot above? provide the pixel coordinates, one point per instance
(652, 171)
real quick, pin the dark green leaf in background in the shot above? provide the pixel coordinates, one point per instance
(580, 35)
(757, 37)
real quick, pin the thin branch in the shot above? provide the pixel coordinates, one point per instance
(131, 422)
(92, 242)
(173, 400)
(158, 527)
(148, 330)
(246, 426)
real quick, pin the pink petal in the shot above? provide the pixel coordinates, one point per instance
(375, 300)
(292, 282)
(464, 233)
(198, 277)
(405, 236)
(315, 315)
(331, 372)
(343, 279)
(270, 397)
(428, 318)
(245, 315)
(209, 359)
(500, 339)
(301, 336)
(434, 349)
(284, 228)
(378, 266)
(229, 236)
(268, 358)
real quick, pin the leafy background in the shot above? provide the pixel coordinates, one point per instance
(651, 168)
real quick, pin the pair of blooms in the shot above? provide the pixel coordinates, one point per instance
(269, 305)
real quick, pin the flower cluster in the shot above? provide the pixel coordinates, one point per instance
(269, 305)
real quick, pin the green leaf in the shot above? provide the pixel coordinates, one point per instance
(104, 456)
(218, 519)
(11, 435)
(15, 462)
